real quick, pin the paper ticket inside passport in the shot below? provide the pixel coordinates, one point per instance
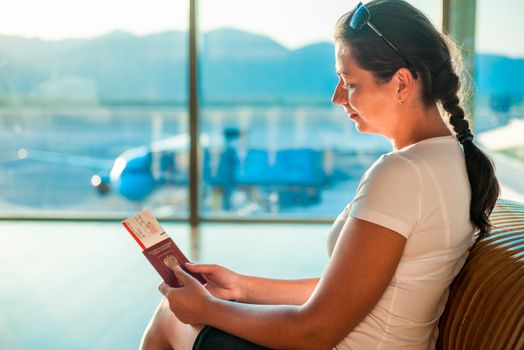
(145, 229)
(161, 251)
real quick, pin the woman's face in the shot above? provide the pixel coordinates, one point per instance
(370, 105)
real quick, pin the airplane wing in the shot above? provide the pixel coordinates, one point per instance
(61, 158)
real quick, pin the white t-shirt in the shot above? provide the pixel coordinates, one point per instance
(422, 192)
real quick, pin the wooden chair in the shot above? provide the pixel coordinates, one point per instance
(485, 309)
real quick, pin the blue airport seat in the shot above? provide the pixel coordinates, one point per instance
(298, 167)
(255, 169)
(296, 175)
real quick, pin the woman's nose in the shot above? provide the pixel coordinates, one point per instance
(339, 95)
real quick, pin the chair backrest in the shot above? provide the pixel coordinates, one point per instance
(485, 308)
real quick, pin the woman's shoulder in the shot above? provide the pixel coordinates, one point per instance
(391, 164)
(432, 152)
(391, 173)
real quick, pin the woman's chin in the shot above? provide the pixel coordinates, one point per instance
(360, 126)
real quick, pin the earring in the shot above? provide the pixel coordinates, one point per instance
(400, 101)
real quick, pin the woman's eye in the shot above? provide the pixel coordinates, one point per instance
(345, 86)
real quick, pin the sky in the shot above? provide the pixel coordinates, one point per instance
(293, 23)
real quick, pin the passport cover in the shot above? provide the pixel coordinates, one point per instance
(161, 251)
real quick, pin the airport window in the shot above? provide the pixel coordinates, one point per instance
(93, 102)
(274, 146)
(499, 93)
(94, 116)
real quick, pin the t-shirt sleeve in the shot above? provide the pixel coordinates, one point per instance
(389, 195)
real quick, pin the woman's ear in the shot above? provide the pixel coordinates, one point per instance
(405, 84)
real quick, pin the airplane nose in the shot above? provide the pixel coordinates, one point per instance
(101, 184)
(131, 174)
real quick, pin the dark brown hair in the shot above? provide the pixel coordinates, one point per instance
(429, 52)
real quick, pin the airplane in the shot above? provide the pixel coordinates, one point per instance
(265, 179)
(297, 175)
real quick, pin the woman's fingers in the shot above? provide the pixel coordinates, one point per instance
(164, 288)
(201, 268)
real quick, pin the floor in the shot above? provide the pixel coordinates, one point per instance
(77, 285)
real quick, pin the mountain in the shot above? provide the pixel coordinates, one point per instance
(117, 66)
(235, 66)
(235, 45)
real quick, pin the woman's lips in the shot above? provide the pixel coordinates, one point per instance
(353, 116)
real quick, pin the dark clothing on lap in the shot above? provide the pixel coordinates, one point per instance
(211, 338)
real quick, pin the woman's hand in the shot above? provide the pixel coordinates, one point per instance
(221, 282)
(190, 302)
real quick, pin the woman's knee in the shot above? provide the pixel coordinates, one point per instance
(166, 331)
(155, 335)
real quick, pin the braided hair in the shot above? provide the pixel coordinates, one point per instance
(480, 168)
(430, 54)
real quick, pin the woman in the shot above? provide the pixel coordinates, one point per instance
(397, 246)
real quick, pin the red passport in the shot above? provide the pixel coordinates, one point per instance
(158, 247)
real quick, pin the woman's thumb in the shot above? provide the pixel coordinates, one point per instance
(182, 275)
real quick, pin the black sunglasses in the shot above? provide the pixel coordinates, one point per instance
(361, 17)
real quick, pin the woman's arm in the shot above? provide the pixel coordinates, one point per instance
(260, 290)
(229, 285)
(361, 267)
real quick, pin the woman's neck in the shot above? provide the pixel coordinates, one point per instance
(418, 124)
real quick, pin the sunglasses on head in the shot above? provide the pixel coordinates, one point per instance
(361, 17)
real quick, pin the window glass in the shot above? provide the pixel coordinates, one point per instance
(273, 144)
(499, 87)
(92, 107)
